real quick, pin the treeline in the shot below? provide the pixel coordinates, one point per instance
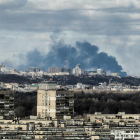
(93, 80)
(73, 80)
(25, 104)
(69, 79)
(11, 78)
(107, 103)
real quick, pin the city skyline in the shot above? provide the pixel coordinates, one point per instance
(32, 30)
(61, 71)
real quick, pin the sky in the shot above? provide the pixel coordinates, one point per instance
(95, 33)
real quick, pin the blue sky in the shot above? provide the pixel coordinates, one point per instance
(112, 25)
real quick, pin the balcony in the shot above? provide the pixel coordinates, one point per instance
(60, 98)
(66, 107)
(71, 101)
(71, 104)
(6, 114)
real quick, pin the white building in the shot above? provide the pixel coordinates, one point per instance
(23, 73)
(2, 67)
(77, 70)
(103, 84)
(80, 86)
(126, 134)
(59, 73)
(10, 71)
(115, 74)
(99, 71)
(36, 74)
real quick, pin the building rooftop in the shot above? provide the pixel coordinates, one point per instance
(33, 85)
(47, 82)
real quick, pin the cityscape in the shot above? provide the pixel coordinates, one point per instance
(69, 70)
(49, 109)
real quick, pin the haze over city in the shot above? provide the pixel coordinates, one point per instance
(97, 34)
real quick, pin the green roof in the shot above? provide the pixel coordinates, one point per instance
(33, 85)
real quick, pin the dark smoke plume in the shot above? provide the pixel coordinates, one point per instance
(84, 53)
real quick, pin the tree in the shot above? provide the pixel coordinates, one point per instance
(20, 111)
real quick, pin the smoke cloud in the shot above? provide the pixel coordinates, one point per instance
(83, 52)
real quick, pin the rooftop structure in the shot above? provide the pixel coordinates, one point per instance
(47, 85)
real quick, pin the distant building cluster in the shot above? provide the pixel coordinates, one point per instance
(97, 72)
(33, 69)
(116, 86)
(58, 71)
(111, 86)
(36, 72)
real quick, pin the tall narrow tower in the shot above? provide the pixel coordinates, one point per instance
(66, 66)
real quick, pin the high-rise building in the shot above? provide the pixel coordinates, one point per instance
(77, 70)
(54, 103)
(2, 67)
(99, 71)
(7, 103)
(33, 69)
(54, 70)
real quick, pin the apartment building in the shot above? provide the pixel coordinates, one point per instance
(54, 70)
(54, 103)
(113, 117)
(77, 70)
(105, 127)
(44, 129)
(6, 104)
(2, 67)
(33, 69)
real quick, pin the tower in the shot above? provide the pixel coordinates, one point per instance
(66, 66)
